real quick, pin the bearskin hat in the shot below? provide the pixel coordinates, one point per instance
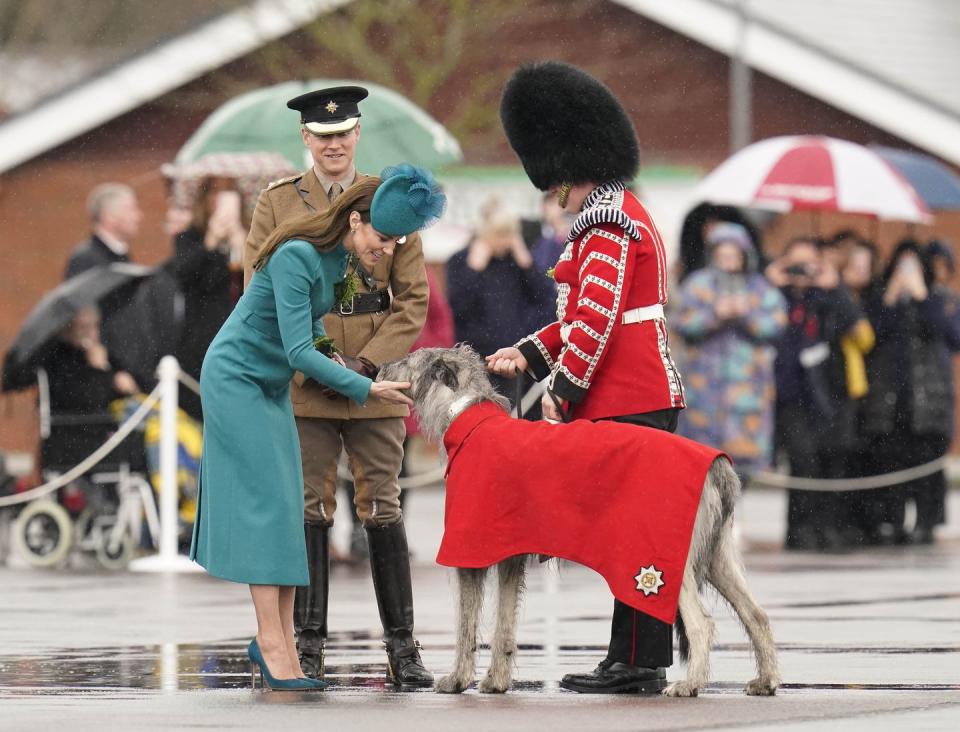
(567, 127)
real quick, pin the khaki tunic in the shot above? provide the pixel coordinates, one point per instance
(380, 337)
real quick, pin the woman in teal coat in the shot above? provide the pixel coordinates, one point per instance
(249, 524)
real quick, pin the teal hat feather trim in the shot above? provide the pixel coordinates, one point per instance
(407, 200)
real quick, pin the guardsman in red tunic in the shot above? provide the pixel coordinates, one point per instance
(607, 356)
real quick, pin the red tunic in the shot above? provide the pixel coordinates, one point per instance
(614, 262)
(625, 508)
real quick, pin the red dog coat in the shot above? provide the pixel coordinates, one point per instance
(617, 498)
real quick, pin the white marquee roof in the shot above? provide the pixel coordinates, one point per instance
(892, 63)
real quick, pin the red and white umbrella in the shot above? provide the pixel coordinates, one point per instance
(798, 173)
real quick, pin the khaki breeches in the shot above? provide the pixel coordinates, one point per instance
(374, 453)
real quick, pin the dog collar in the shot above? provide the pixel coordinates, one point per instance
(460, 404)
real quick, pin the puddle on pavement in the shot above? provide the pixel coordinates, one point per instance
(195, 666)
(225, 666)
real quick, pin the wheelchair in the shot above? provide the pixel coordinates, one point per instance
(101, 513)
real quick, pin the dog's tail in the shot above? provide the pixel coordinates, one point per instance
(683, 642)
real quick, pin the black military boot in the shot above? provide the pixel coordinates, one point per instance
(614, 677)
(310, 603)
(390, 565)
(640, 647)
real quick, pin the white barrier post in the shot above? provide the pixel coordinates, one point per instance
(168, 560)
(167, 371)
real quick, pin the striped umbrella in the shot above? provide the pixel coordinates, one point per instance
(807, 173)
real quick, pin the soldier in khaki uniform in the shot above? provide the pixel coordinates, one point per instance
(380, 325)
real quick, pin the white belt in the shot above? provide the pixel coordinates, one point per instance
(639, 315)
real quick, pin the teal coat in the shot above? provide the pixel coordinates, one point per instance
(249, 523)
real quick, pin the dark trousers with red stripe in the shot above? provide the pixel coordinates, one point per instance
(635, 637)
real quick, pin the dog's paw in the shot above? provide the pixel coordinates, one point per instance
(681, 688)
(489, 686)
(761, 687)
(451, 684)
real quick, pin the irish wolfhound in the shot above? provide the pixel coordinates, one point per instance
(444, 382)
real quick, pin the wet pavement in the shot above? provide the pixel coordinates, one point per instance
(868, 640)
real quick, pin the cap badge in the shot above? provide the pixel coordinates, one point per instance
(332, 107)
(649, 580)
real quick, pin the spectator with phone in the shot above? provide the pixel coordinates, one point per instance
(201, 263)
(909, 409)
(814, 421)
(729, 316)
(859, 276)
(552, 240)
(494, 288)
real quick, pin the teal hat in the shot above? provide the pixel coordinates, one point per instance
(407, 200)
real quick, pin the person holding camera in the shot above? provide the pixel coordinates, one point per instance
(203, 253)
(814, 420)
(908, 412)
(729, 316)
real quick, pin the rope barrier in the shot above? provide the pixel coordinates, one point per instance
(188, 381)
(431, 477)
(869, 482)
(95, 457)
(435, 476)
(771, 480)
(422, 480)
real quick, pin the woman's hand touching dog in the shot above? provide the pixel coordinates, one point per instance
(391, 391)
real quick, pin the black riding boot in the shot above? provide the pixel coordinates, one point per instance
(310, 603)
(390, 565)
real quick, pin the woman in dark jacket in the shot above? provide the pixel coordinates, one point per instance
(909, 409)
(201, 267)
(814, 417)
(861, 277)
(82, 381)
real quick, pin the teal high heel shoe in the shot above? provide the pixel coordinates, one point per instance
(268, 681)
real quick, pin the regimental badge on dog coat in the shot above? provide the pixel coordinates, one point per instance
(649, 580)
(617, 498)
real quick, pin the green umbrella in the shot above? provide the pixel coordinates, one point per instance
(394, 130)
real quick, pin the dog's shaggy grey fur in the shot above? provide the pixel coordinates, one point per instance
(444, 382)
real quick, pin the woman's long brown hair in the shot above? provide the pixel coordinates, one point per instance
(327, 228)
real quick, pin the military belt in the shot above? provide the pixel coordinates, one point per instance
(365, 302)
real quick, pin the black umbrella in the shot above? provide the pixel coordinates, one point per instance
(55, 311)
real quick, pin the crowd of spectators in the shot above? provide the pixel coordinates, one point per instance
(840, 369)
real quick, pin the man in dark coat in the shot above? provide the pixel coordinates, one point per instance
(137, 323)
(495, 289)
(115, 217)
